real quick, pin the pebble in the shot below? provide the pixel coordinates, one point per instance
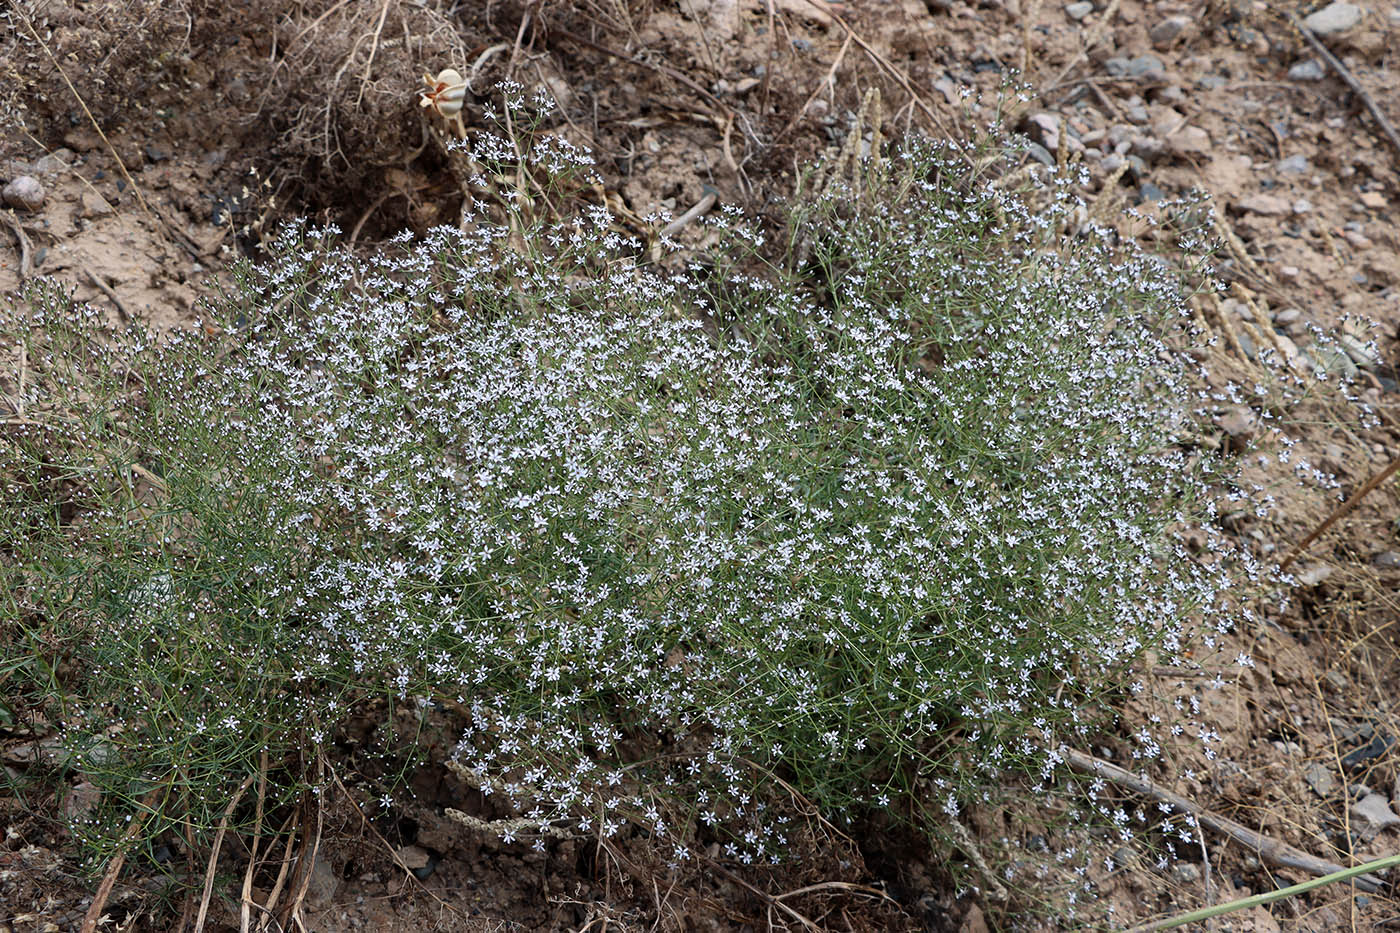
(1077, 11)
(1041, 154)
(1269, 205)
(1287, 316)
(1335, 361)
(1189, 140)
(1212, 82)
(1168, 31)
(1302, 206)
(1151, 193)
(1375, 810)
(1333, 18)
(1310, 70)
(1386, 560)
(1361, 354)
(1320, 779)
(1186, 872)
(24, 193)
(1375, 748)
(1357, 239)
(1295, 165)
(1146, 66)
(94, 204)
(60, 160)
(1044, 128)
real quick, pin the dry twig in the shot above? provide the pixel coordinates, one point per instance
(1270, 850)
(214, 854)
(1340, 512)
(107, 290)
(1351, 82)
(26, 262)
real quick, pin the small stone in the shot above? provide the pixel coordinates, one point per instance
(1294, 165)
(1289, 272)
(1302, 206)
(1386, 560)
(1041, 154)
(1310, 70)
(1239, 425)
(1138, 115)
(1146, 66)
(1314, 575)
(94, 204)
(1189, 140)
(1212, 82)
(1287, 316)
(1333, 18)
(1335, 362)
(156, 153)
(1044, 128)
(1357, 239)
(60, 160)
(1378, 746)
(81, 801)
(1077, 11)
(1151, 193)
(414, 857)
(1375, 810)
(1320, 779)
(323, 883)
(1374, 199)
(1168, 31)
(1269, 205)
(1361, 353)
(1186, 872)
(1117, 66)
(24, 193)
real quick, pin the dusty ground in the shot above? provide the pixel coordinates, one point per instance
(217, 121)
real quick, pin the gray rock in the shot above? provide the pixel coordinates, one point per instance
(60, 160)
(1212, 82)
(1361, 353)
(1302, 206)
(1168, 31)
(1387, 560)
(1186, 872)
(1310, 70)
(1041, 154)
(1333, 18)
(1334, 361)
(1117, 66)
(1269, 205)
(1152, 193)
(1287, 316)
(1240, 425)
(1320, 779)
(1146, 66)
(1044, 128)
(24, 193)
(1375, 810)
(1295, 165)
(1077, 11)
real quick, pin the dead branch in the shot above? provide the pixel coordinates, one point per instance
(1350, 80)
(1270, 850)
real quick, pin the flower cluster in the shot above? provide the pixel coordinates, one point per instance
(886, 522)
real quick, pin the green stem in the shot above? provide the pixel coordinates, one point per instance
(1205, 913)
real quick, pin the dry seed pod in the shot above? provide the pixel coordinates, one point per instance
(447, 92)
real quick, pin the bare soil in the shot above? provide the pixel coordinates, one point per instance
(169, 136)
